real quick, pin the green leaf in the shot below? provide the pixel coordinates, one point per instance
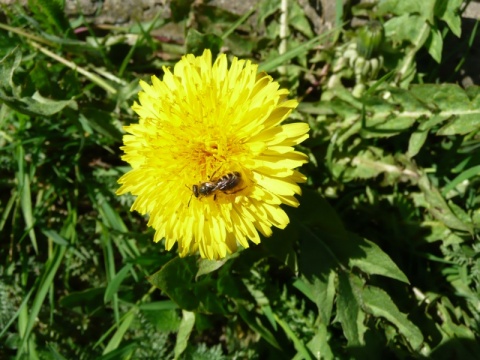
(45, 283)
(197, 42)
(449, 11)
(37, 104)
(158, 306)
(10, 93)
(102, 122)
(291, 53)
(446, 97)
(326, 245)
(175, 278)
(439, 232)
(376, 262)
(184, 331)
(56, 237)
(389, 126)
(319, 344)
(407, 27)
(465, 175)
(423, 8)
(297, 342)
(378, 303)
(8, 65)
(24, 190)
(114, 284)
(433, 121)
(122, 352)
(461, 124)
(206, 266)
(87, 298)
(349, 310)
(256, 325)
(163, 320)
(439, 207)
(117, 337)
(53, 12)
(180, 9)
(210, 301)
(321, 292)
(416, 142)
(266, 9)
(298, 20)
(434, 44)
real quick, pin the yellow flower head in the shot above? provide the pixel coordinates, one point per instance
(211, 162)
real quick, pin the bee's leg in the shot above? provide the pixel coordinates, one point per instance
(212, 176)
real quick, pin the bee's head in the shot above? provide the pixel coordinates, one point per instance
(195, 191)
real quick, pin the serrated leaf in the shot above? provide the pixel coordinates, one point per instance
(265, 9)
(447, 97)
(454, 346)
(449, 11)
(376, 262)
(378, 303)
(321, 292)
(408, 101)
(349, 310)
(461, 124)
(390, 126)
(36, 105)
(10, 94)
(407, 27)
(460, 213)
(423, 8)
(319, 344)
(439, 207)
(367, 164)
(8, 65)
(439, 232)
(432, 121)
(298, 20)
(53, 10)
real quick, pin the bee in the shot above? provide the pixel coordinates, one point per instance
(224, 184)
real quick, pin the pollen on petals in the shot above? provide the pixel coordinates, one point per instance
(212, 161)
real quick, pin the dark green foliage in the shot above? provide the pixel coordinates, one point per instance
(381, 259)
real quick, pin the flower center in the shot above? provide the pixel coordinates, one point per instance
(211, 148)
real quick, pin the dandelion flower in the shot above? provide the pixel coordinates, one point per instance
(211, 161)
